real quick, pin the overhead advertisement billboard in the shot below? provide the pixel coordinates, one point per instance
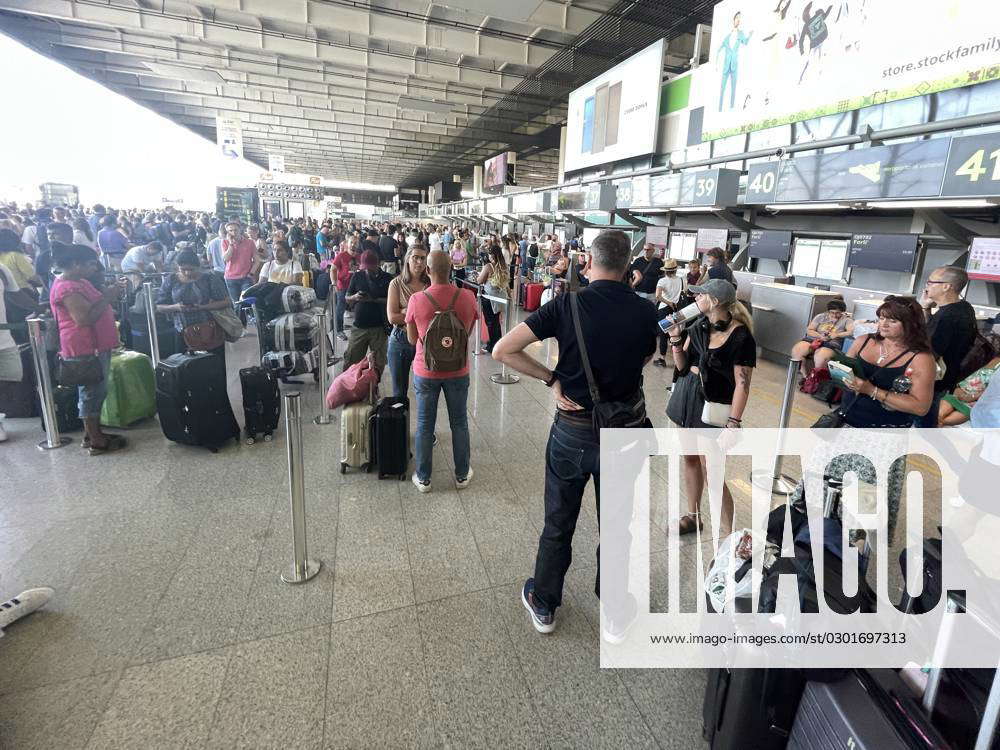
(495, 173)
(615, 116)
(793, 60)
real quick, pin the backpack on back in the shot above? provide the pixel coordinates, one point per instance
(446, 342)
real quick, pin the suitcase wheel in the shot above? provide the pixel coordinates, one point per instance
(343, 468)
(251, 440)
(268, 437)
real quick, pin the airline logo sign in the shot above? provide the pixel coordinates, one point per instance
(229, 136)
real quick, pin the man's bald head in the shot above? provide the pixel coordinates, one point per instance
(439, 267)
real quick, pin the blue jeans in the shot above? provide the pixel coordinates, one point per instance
(91, 397)
(236, 287)
(400, 354)
(341, 306)
(456, 395)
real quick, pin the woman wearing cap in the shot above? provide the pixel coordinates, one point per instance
(668, 293)
(369, 293)
(715, 359)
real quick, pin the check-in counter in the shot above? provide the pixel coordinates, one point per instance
(864, 309)
(745, 281)
(781, 314)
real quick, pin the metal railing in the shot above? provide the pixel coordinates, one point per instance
(776, 482)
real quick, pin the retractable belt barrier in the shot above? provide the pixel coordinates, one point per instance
(303, 568)
(43, 381)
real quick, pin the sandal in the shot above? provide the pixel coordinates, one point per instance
(115, 443)
(689, 522)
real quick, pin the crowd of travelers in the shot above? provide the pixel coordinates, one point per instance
(923, 362)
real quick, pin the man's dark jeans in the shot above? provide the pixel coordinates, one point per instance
(572, 457)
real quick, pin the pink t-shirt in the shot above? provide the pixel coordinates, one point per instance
(79, 341)
(239, 264)
(420, 310)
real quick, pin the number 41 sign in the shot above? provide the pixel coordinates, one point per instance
(973, 166)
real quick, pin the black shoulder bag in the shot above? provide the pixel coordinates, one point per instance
(607, 414)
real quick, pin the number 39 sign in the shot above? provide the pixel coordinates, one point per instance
(973, 166)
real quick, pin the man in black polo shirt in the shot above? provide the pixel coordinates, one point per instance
(619, 330)
(646, 271)
(387, 251)
(368, 292)
(952, 330)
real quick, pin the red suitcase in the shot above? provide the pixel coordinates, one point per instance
(533, 297)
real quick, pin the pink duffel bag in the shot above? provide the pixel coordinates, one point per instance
(356, 383)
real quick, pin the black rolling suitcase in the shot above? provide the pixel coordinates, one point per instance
(261, 403)
(750, 708)
(391, 437)
(192, 401)
(66, 399)
(865, 710)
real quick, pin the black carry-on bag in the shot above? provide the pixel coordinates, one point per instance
(261, 403)
(391, 437)
(192, 401)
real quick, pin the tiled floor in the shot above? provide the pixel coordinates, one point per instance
(171, 628)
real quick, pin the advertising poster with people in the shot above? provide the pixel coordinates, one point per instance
(785, 61)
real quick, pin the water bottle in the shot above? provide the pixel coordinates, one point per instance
(683, 315)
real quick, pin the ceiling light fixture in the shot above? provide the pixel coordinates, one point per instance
(184, 73)
(807, 206)
(424, 105)
(946, 203)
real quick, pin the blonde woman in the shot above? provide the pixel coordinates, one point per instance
(715, 364)
(413, 280)
(459, 258)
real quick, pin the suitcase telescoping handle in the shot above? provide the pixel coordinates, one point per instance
(991, 713)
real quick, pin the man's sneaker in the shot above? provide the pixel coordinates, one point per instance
(463, 483)
(3, 432)
(613, 632)
(23, 604)
(422, 486)
(542, 618)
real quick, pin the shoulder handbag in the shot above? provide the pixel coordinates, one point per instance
(713, 413)
(85, 370)
(606, 414)
(203, 337)
(232, 326)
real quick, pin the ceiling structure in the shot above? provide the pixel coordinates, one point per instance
(403, 92)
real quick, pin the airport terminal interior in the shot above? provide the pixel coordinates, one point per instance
(225, 519)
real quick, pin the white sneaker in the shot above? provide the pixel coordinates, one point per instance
(3, 432)
(23, 604)
(463, 483)
(422, 486)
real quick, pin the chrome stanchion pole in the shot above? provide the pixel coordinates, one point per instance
(775, 481)
(324, 369)
(302, 567)
(479, 317)
(154, 339)
(503, 377)
(44, 384)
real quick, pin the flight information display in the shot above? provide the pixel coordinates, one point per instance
(770, 245)
(884, 252)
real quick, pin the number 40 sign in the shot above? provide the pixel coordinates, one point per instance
(973, 166)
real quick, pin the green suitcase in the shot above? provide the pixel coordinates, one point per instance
(131, 390)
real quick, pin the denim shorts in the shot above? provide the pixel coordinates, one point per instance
(92, 396)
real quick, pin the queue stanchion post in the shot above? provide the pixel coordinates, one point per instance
(775, 481)
(479, 320)
(503, 377)
(154, 338)
(323, 364)
(303, 568)
(43, 382)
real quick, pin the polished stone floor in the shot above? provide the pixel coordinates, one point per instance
(170, 627)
